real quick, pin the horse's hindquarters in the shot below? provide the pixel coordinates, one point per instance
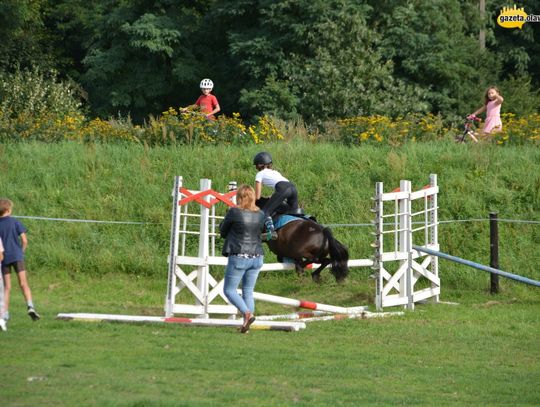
(300, 240)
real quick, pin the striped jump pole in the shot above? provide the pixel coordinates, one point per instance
(325, 316)
(350, 263)
(294, 316)
(307, 304)
(478, 266)
(360, 315)
(288, 326)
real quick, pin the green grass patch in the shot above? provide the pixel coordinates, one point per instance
(335, 183)
(482, 352)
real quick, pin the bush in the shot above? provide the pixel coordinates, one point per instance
(59, 118)
(519, 130)
(383, 129)
(520, 97)
(191, 127)
(32, 103)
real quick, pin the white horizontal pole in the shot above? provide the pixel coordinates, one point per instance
(306, 304)
(257, 325)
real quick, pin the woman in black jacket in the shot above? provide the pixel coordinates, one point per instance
(242, 229)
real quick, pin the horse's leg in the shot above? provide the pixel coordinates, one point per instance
(301, 265)
(316, 275)
(299, 268)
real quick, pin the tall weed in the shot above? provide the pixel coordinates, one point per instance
(33, 102)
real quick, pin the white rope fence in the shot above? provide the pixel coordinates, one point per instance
(332, 225)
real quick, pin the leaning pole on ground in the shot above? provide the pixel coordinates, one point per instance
(479, 266)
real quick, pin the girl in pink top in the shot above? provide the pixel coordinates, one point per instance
(492, 107)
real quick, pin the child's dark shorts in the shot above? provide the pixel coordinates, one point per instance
(18, 266)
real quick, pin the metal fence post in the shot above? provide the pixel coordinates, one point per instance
(494, 251)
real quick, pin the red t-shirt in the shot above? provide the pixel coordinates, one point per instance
(207, 102)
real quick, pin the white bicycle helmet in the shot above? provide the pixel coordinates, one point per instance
(207, 84)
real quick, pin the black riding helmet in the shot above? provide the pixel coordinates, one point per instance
(262, 158)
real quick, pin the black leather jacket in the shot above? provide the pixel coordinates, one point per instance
(242, 230)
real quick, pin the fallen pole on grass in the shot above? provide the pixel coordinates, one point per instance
(234, 323)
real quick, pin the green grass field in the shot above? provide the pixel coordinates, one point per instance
(483, 351)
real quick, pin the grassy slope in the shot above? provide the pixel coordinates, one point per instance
(436, 355)
(335, 183)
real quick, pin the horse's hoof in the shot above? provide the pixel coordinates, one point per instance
(316, 278)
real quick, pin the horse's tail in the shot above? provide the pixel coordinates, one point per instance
(339, 255)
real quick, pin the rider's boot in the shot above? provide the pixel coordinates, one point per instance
(270, 230)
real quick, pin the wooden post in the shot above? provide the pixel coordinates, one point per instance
(482, 33)
(494, 251)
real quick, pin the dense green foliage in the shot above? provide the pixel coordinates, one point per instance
(316, 59)
(311, 59)
(33, 94)
(36, 106)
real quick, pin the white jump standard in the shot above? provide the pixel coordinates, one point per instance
(413, 220)
(392, 289)
(205, 290)
(199, 282)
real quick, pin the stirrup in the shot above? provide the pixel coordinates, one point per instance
(267, 236)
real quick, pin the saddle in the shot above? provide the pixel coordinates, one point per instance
(281, 220)
(295, 212)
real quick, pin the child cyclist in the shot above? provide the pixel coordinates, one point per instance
(207, 102)
(284, 190)
(492, 107)
(13, 235)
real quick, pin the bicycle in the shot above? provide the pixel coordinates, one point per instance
(469, 129)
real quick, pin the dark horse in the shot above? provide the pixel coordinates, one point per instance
(305, 241)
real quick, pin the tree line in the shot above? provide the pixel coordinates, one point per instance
(295, 59)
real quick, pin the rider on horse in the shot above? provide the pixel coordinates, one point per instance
(285, 196)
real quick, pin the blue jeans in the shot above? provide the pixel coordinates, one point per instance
(245, 270)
